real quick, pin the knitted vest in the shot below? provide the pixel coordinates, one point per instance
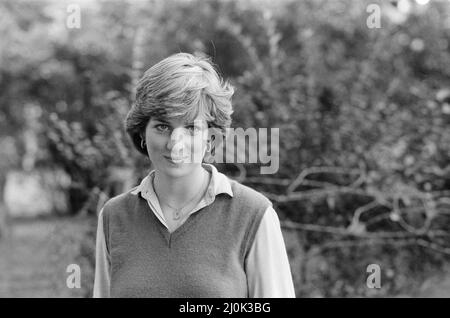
(204, 257)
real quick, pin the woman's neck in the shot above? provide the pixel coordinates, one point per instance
(176, 191)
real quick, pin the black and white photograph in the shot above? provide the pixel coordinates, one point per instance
(230, 149)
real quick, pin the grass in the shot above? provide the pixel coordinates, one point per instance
(37, 252)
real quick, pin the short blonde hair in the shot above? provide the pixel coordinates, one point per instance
(182, 86)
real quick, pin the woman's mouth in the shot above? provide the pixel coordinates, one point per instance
(176, 160)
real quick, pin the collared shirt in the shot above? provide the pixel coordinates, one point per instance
(267, 266)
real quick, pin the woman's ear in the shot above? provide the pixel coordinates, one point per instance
(142, 134)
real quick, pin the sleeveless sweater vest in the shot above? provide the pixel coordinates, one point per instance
(204, 257)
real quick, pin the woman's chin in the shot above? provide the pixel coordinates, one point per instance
(177, 169)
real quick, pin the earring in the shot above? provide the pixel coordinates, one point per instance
(142, 143)
(208, 147)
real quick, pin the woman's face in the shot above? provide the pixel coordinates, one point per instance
(176, 147)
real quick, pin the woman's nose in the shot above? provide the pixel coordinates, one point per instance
(176, 141)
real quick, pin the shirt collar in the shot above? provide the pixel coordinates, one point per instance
(219, 183)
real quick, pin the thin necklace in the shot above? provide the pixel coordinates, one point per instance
(177, 215)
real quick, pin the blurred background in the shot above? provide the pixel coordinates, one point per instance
(359, 89)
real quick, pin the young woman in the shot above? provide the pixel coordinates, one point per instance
(187, 230)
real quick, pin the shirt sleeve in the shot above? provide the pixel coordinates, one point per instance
(267, 265)
(102, 263)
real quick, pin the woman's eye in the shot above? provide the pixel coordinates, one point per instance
(162, 128)
(194, 129)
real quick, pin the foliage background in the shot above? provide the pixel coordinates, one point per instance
(363, 115)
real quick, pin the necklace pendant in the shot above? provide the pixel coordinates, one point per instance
(177, 215)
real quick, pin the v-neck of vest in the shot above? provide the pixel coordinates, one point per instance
(168, 236)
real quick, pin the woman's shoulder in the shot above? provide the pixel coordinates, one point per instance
(248, 194)
(121, 200)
